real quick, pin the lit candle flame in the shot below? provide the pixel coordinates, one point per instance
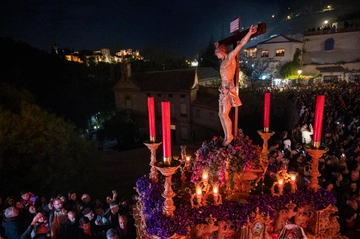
(281, 182)
(205, 176)
(198, 191)
(216, 190)
(188, 158)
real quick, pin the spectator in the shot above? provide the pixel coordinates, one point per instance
(69, 229)
(27, 198)
(41, 229)
(10, 224)
(111, 234)
(112, 215)
(127, 231)
(72, 202)
(306, 133)
(57, 217)
(86, 231)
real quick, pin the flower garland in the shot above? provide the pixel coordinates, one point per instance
(184, 216)
(218, 160)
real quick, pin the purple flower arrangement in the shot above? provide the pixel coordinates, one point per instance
(230, 211)
(241, 156)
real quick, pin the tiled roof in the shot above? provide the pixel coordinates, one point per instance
(174, 80)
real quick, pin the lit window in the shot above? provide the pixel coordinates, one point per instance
(265, 53)
(280, 52)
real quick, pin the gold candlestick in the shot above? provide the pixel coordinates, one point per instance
(168, 194)
(152, 146)
(315, 154)
(265, 149)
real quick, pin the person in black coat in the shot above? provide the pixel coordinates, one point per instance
(70, 229)
(11, 226)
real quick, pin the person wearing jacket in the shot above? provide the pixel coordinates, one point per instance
(10, 224)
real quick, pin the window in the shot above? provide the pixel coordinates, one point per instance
(280, 52)
(251, 53)
(265, 53)
(170, 95)
(184, 133)
(159, 95)
(329, 44)
(183, 109)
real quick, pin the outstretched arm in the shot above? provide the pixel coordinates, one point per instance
(240, 44)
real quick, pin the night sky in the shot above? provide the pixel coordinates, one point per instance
(183, 26)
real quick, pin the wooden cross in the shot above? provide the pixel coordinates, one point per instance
(232, 40)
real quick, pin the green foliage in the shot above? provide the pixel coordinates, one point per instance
(42, 152)
(289, 70)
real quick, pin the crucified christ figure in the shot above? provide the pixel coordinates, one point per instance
(228, 93)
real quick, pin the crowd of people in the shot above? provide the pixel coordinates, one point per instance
(340, 165)
(66, 217)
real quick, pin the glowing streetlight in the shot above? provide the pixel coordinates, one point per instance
(326, 21)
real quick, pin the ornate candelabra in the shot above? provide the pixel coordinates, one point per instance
(283, 177)
(202, 192)
(265, 149)
(152, 146)
(168, 194)
(315, 152)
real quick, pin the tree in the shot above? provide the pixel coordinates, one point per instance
(41, 151)
(289, 70)
(255, 67)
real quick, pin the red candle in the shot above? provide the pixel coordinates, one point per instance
(266, 111)
(151, 114)
(319, 113)
(166, 132)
